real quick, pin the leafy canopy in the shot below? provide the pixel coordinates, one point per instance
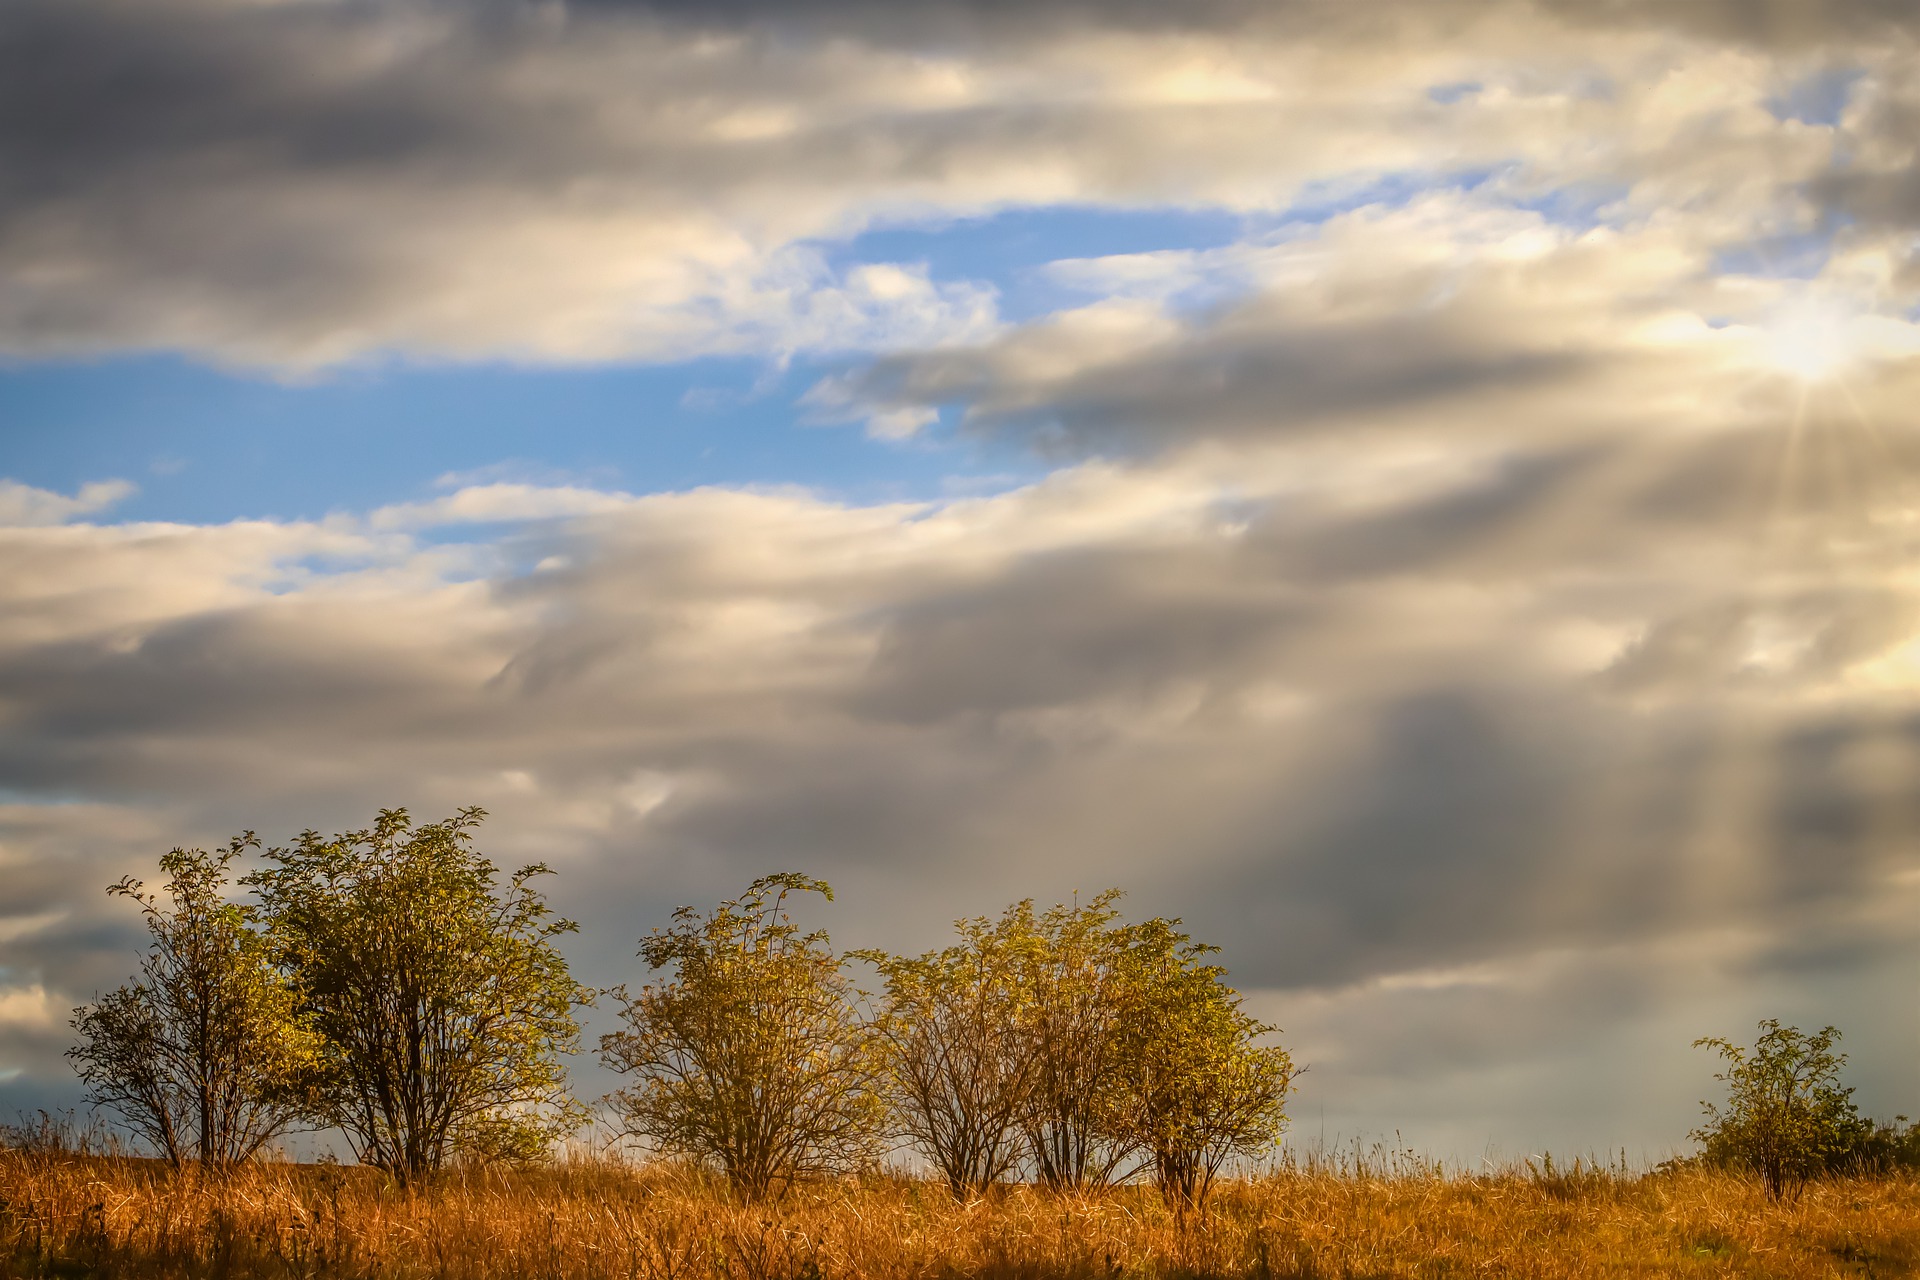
(1196, 1088)
(752, 1057)
(441, 1000)
(1786, 1117)
(951, 1033)
(1071, 966)
(201, 1055)
(1087, 1049)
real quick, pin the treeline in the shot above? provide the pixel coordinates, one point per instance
(390, 986)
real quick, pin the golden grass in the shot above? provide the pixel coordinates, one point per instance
(68, 1215)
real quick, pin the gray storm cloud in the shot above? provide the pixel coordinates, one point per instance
(1483, 611)
(1381, 782)
(296, 185)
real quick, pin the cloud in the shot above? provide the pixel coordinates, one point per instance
(25, 1007)
(294, 186)
(25, 505)
(1767, 22)
(1464, 596)
(1452, 318)
(496, 502)
(1770, 23)
(1357, 722)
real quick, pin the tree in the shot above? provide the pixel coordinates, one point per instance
(199, 1056)
(1070, 964)
(752, 1057)
(1786, 1119)
(1195, 1086)
(957, 1071)
(440, 997)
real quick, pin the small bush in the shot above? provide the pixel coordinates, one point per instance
(1787, 1118)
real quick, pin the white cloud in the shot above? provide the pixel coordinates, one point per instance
(25, 505)
(1375, 721)
(1444, 600)
(619, 186)
(496, 503)
(25, 1008)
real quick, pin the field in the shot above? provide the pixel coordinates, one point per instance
(63, 1214)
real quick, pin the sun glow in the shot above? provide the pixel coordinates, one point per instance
(1811, 339)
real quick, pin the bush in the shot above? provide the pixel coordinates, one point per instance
(1196, 1086)
(752, 1057)
(1787, 1118)
(440, 999)
(958, 1072)
(1097, 1050)
(1883, 1148)
(200, 1055)
(1072, 970)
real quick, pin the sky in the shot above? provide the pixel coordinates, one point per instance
(1423, 491)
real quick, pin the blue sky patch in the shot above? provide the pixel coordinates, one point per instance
(1799, 256)
(1011, 249)
(205, 445)
(1818, 99)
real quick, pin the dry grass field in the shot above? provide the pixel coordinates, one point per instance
(63, 1214)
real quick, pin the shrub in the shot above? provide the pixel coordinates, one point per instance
(1096, 1050)
(200, 1055)
(1787, 1118)
(1195, 1088)
(752, 1057)
(440, 998)
(959, 1072)
(1071, 967)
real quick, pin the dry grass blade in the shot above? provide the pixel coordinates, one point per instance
(68, 1215)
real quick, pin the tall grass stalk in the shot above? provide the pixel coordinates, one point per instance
(69, 1214)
